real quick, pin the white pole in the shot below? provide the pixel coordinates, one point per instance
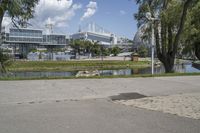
(152, 49)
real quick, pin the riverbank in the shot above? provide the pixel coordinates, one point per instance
(11, 78)
(196, 64)
(74, 65)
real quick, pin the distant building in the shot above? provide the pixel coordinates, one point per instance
(22, 40)
(55, 40)
(95, 33)
(102, 39)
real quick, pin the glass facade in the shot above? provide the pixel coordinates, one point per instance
(54, 39)
(99, 38)
(27, 39)
(92, 36)
(32, 36)
(25, 36)
(25, 33)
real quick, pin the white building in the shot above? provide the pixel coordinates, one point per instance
(95, 33)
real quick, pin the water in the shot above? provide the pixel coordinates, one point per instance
(42, 74)
(186, 68)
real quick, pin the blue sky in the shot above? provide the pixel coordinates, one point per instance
(114, 15)
(66, 15)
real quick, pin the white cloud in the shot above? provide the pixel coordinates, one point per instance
(122, 12)
(90, 11)
(59, 13)
(55, 5)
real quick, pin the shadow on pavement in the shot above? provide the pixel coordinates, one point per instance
(127, 96)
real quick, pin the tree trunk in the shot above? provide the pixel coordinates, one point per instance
(1, 19)
(197, 50)
(167, 61)
(169, 65)
(167, 53)
(2, 68)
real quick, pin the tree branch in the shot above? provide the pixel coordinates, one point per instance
(181, 26)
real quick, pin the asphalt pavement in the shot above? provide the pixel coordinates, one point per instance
(83, 106)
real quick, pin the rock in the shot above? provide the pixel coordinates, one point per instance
(88, 73)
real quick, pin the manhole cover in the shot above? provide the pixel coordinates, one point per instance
(127, 96)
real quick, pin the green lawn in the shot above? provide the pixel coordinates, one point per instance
(73, 65)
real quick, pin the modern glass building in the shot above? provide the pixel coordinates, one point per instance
(103, 39)
(25, 39)
(95, 33)
(25, 36)
(54, 39)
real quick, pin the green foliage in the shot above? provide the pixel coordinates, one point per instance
(191, 36)
(18, 10)
(84, 46)
(73, 65)
(142, 51)
(115, 50)
(77, 46)
(96, 49)
(58, 50)
(168, 27)
(33, 50)
(106, 52)
(4, 61)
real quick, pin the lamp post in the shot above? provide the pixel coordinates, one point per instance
(152, 20)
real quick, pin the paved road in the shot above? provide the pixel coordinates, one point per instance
(90, 116)
(82, 106)
(46, 90)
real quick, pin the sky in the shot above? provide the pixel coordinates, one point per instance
(115, 16)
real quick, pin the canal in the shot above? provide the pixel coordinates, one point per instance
(183, 68)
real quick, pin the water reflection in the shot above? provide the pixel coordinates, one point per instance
(185, 68)
(41, 74)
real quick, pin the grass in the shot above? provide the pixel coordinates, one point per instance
(197, 62)
(82, 65)
(104, 77)
(73, 65)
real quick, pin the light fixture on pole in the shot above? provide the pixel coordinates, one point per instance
(152, 20)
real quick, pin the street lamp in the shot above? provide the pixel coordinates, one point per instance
(152, 20)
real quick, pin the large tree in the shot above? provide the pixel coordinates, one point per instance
(168, 28)
(191, 36)
(18, 10)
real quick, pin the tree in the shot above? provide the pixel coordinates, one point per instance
(106, 52)
(169, 27)
(18, 10)
(96, 49)
(115, 51)
(88, 47)
(142, 51)
(77, 45)
(191, 36)
(4, 61)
